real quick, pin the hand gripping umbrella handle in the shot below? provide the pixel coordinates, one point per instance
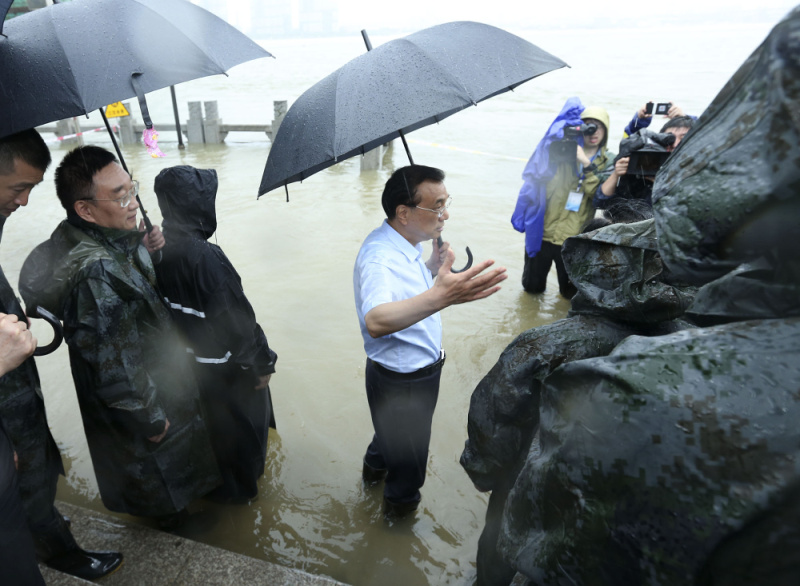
(58, 334)
(469, 258)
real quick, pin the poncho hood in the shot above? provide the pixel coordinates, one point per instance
(727, 201)
(619, 275)
(187, 197)
(49, 273)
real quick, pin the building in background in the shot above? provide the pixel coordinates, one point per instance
(318, 18)
(268, 19)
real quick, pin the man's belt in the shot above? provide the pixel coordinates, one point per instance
(421, 373)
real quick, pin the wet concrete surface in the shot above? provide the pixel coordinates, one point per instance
(157, 558)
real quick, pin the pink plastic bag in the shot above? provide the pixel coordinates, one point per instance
(150, 137)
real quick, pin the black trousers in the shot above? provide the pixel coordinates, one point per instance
(534, 275)
(17, 557)
(402, 411)
(237, 418)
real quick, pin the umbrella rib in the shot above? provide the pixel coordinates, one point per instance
(52, 22)
(335, 106)
(191, 40)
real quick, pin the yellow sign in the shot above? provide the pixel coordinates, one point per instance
(116, 110)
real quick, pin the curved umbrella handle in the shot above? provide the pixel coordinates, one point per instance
(469, 258)
(58, 334)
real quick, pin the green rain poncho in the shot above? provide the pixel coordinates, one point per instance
(676, 459)
(623, 290)
(130, 369)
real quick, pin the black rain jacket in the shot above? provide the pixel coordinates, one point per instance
(230, 350)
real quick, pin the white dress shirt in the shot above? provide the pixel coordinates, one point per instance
(389, 268)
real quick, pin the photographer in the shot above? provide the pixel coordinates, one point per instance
(637, 183)
(555, 201)
(644, 116)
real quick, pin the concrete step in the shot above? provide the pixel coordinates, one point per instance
(155, 558)
(55, 578)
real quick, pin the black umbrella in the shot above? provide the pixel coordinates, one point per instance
(71, 58)
(401, 86)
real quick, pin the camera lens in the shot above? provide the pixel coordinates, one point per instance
(589, 129)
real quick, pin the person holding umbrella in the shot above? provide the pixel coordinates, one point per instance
(398, 297)
(138, 398)
(17, 557)
(24, 158)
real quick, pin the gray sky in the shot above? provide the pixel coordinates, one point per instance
(410, 15)
(416, 14)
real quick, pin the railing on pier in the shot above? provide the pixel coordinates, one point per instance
(200, 128)
(204, 126)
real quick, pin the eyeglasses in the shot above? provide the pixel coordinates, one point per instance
(438, 211)
(125, 200)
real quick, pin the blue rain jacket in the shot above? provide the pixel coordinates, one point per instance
(528, 216)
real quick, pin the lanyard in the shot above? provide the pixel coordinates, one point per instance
(582, 175)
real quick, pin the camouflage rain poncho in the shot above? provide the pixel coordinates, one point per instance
(623, 289)
(131, 372)
(23, 413)
(676, 459)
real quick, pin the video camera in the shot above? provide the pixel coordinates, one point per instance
(646, 163)
(573, 132)
(566, 149)
(647, 151)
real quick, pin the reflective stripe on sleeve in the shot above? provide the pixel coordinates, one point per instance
(201, 360)
(183, 309)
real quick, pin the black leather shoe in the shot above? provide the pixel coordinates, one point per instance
(373, 476)
(393, 510)
(88, 565)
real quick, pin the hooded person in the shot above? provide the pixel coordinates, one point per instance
(674, 460)
(233, 361)
(136, 391)
(555, 200)
(623, 289)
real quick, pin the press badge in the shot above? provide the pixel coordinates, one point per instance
(574, 201)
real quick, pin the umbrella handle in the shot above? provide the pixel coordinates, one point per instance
(142, 101)
(58, 333)
(439, 241)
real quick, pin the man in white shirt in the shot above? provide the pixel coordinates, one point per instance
(398, 298)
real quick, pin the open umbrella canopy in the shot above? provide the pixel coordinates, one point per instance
(71, 58)
(402, 85)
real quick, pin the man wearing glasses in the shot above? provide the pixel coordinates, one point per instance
(398, 298)
(138, 399)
